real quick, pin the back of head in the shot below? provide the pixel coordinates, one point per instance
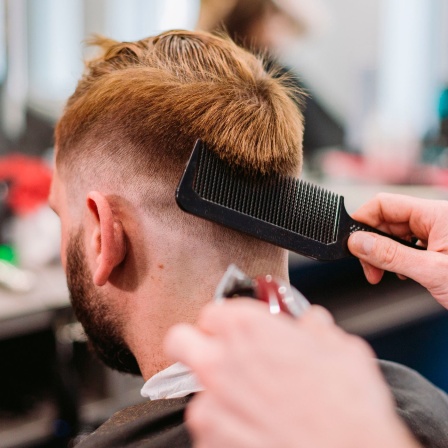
(162, 93)
(140, 106)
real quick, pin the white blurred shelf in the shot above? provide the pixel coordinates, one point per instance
(27, 312)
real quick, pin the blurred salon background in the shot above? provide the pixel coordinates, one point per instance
(375, 74)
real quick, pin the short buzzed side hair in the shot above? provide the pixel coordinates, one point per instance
(145, 103)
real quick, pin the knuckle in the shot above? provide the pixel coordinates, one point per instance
(444, 268)
(210, 364)
(436, 275)
(389, 254)
(317, 320)
(239, 322)
(441, 267)
(359, 347)
(207, 315)
(244, 323)
(380, 196)
(321, 315)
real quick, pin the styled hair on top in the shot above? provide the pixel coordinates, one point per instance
(145, 103)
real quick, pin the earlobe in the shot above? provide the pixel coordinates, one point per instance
(107, 237)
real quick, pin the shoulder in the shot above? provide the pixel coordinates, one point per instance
(158, 422)
(422, 406)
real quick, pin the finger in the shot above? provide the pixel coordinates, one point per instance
(224, 319)
(318, 314)
(386, 254)
(386, 207)
(373, 274)
(186, 344)
(398, 214)
(317, 321)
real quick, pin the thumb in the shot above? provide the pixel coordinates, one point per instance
(389, 255)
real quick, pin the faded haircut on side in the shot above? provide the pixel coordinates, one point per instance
(140, 106)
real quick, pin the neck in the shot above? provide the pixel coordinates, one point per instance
(181, 280)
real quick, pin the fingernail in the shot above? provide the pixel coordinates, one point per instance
(363, 242)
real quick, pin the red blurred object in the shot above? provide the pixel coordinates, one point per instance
(271, 292)
(340, 164)
(280, 296)
(28, 179)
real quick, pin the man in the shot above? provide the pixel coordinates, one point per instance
(136, 265)
(330, 393)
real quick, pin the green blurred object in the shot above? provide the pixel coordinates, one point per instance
(443, 104)
(8, 254)
(436, 146)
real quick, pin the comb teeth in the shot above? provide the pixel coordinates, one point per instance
(293, 204)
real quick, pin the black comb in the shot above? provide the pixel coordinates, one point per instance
(284, 211)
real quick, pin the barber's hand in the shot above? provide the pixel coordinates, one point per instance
(405, 216)
(272, 381)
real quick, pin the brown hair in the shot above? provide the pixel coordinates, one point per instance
(145, 103)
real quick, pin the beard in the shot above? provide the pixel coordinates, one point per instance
(94, 311)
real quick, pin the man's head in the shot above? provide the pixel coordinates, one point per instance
(135, 263)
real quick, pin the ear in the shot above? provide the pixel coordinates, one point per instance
(107, 239)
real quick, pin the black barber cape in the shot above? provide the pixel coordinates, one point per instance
(155, 424)
(160, 423)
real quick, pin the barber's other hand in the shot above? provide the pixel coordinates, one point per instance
(272, 381)
(405, 216)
